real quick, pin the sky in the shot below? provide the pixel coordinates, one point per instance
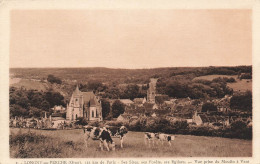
(134, 38)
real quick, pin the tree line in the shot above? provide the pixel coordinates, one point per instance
(32, 103)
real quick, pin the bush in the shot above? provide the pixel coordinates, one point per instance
(242, 101)
(95, 124)
(114, 123)
(52, 79)
(209, 107)
(31, 145)
(81, 121)
(246, 76)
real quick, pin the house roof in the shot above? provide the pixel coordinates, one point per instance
(87, 96)
(92, 102)
(56, 115)
(148, 105)
(138, 100)
(126, 101)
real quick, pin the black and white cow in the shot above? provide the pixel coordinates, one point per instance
(101, 134)
(119, 132)
(149, 136)
(166, 137)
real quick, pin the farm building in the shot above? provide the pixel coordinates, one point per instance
(139, 101)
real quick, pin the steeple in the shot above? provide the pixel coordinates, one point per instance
(77, 89)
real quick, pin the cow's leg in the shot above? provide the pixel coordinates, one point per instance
(106, 145)
(121, 141)
(101, 145)
(86, 141)
(113, 146)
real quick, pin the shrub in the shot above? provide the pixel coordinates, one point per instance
(209, 107)
(31, 145)
(114, 123)
(52, 79)
(81, 121)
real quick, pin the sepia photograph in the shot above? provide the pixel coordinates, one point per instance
(130, 83)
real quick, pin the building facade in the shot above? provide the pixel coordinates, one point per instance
(84, 104)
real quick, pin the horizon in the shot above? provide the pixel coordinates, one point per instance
(126, 68)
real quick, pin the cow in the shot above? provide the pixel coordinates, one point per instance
(119, 132)
(166, 137)
(149, 136)
(101, 134)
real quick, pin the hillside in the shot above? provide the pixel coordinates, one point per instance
(119, 76)
(240, 84)
(178, 82)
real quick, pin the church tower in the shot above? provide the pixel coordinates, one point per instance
(151, 92)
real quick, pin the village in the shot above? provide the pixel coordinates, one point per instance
(88, 105)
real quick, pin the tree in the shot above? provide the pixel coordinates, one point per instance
(35, 112)
(117, 108)
(54, 98)
(105, 108)
(209, 107)
(131, 91)
(242, 101)
(16, 110)
(95, 85)
(81, 121)
(52, 79)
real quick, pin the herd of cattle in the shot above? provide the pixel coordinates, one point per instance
(105, 135)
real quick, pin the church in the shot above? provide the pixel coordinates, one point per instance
(84, 104)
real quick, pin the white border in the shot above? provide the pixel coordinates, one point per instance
(7, 6)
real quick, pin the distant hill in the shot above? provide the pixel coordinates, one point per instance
(119, 76)
(240, 85)
(111, 79)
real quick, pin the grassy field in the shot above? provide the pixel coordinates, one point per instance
(28, 84)
(239, 85)
(70, 144)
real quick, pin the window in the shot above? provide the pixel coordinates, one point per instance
(92, 113)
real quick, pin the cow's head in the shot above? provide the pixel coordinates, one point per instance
(123, 130)
(87, 128)
(156, 135)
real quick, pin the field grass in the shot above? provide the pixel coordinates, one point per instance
(70, 144)
(240, 85)
(28, 84)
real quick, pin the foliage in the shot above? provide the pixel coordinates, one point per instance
(33, 103)
(131, 92)
(117, 108)
(238, 125)
(105, 108)
(32, 145)
(209, 107)
(52, 79)
(81, 121)
(242, 101)
(245, 76)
